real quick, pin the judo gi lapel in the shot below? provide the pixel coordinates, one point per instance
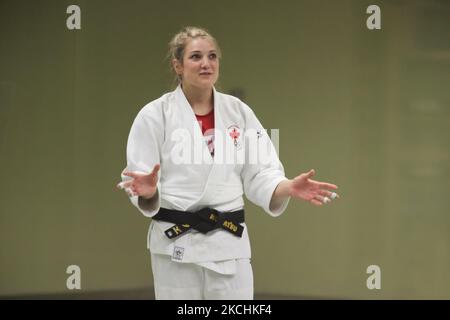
(209, 191)
(189, 120)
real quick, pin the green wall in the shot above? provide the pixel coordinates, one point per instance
(369, 110)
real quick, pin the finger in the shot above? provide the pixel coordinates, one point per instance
(120, 185)
(334, 195)
(316, 202)
(130, 174)
(322, 199)
(324, 193)
(124, 184)
(319, 198)
(329, 194)
(129, 192)
(326, 185)
(310, 173)
(156, 169)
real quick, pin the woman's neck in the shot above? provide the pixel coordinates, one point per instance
(201, 100)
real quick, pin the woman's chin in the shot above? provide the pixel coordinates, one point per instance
(205, 84)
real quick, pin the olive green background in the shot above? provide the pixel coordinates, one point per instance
(369, 110)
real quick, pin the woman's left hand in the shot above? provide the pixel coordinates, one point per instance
(303, 187)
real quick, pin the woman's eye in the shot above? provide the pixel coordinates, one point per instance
(195, 56)
(213, 56)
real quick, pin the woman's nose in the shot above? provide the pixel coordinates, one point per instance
(205, 63)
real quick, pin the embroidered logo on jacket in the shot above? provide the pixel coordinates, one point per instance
(235, 134)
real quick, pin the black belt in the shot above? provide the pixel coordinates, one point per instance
(203, 221)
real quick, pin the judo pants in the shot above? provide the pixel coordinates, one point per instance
(189, 281)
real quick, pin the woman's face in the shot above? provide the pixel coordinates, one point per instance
(200, 66)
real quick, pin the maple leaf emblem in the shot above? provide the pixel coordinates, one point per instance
(234, 134)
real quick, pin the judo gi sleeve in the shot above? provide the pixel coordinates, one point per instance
(262, 171)
(143, 153)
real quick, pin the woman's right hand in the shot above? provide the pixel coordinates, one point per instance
(143, 185)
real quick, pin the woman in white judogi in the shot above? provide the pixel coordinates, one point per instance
(170, 166)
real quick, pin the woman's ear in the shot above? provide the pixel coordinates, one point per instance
(177, 67)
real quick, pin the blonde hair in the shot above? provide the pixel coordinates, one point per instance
(177, 45)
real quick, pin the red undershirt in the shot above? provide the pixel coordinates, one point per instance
(206, 122)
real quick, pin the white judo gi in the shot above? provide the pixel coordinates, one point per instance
(166, 132)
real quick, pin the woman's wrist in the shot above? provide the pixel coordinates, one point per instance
(284, 188)
(148, 203)
(148, 197)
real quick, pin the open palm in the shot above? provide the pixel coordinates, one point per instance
(303, 187)
(143, 185)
